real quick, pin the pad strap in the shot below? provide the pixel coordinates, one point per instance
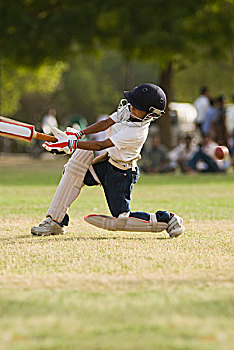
(154, 222)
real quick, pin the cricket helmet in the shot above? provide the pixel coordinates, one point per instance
(149, 98)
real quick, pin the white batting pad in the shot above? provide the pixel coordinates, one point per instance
(70, 183)
(126, 223)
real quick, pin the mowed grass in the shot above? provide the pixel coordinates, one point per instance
(94, 289)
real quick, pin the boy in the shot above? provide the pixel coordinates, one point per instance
(116, 171)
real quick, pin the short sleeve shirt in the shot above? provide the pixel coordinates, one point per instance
(128, 137)
(201, 105)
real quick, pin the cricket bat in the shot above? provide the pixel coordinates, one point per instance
(14, 129)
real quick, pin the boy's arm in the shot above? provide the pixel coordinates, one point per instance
(99, 126)
(67, 145)
(94, 145)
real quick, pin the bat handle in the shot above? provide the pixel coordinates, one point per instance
(45, 137)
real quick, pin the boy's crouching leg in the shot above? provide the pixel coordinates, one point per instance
(70, 184)
(48, 227)
(68, 190)
(126, 223)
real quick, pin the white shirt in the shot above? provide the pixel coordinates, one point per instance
(49, 121)
(181, 152)
(128, 137)
(201, 105)
(230, 118)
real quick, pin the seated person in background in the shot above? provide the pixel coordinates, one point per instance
(204, 159)
(182, 153)
(155, 158)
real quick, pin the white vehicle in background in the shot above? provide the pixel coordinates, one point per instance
(186, 113)
(183, 117)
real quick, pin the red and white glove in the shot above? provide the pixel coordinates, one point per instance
(67, 141)
(73, 136)
(74, 132)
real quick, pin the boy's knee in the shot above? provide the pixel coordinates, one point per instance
(89, 180)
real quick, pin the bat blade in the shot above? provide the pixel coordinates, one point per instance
(16, 130)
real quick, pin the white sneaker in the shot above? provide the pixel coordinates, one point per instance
(48, 227)
(175, 227)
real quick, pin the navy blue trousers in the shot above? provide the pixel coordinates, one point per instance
(118, 185)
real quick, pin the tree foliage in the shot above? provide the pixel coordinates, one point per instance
(17, 81)
(172, 33)
(32, 30)
(89, 86)
(94, 85)
(217, 76)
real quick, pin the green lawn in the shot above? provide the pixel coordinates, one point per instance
(94, 289)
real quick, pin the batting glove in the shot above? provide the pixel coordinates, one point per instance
(79, 134)
(73, 136)
(64, 145)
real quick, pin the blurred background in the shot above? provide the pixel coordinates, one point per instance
(66, 63)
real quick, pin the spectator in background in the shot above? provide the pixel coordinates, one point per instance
(204, 159)
(49, 121)
(201, 105)
(230, 118)
(155, 157)
(210, 118)
(221, 136)
(231, 148)
(182, 153)
(230, 128)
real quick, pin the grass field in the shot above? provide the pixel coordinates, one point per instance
(94, 289)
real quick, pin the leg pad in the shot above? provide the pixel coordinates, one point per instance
(124, 223)
(70, 183)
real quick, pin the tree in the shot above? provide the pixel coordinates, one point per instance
(169, 32)
(93, 85)
(218, 76)
(17, 81)
(34, 31)
(90, 86)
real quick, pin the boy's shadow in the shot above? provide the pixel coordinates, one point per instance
(17, 239)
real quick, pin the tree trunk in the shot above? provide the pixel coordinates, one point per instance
(0, 86)
(165, 122)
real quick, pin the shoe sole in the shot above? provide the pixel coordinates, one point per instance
(40, 234)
